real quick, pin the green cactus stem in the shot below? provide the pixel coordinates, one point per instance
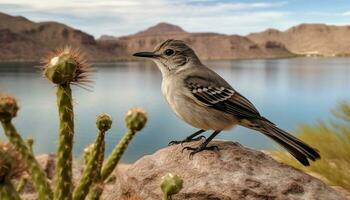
(63, 172)
(97, 187)
(92, 170)
(170, 185)
(64, 68)
(135, 120)
(8, 110)
(98, 183)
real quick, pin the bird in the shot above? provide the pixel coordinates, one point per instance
(203, 99)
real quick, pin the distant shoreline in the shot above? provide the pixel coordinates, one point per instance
(130, 59)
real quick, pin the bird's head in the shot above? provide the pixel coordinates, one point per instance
(171, 56)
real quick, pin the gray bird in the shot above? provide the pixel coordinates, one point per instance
(206, 101)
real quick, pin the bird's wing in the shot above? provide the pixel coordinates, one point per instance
(219, 95)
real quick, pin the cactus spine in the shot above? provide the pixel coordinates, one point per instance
(135, 120)
(92, 170)
(8, 110)
(62, 69)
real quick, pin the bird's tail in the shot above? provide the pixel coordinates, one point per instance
(297, 148)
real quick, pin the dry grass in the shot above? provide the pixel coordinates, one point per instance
(332, 139)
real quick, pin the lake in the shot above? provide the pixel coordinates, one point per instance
(287, 91)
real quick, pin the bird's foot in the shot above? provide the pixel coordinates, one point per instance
(199, 149)
(186, 140)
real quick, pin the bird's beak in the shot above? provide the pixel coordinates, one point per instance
(145, 54)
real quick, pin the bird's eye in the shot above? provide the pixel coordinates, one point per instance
(169, 52)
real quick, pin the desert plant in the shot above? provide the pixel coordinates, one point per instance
(135, 120)
(332, 139)
(8, 110)
(63, 68)
(170, 185)
(92, 169)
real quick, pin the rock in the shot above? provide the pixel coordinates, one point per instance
(47, 162)
(342, 191)
(112, 188)
(235, 172)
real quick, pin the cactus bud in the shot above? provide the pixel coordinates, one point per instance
(170, 185)
(103, 122)
(8, 108)
(65, 66)
(135, 119)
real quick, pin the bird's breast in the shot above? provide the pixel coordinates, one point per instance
(178, 98)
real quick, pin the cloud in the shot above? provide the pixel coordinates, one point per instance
(128, 16)
(346, 13)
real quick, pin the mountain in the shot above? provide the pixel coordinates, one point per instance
(22, 39)
(156, 30)
(206, 45)
(161, 28)
(309, 39)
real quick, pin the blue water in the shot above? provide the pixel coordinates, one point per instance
(287, 91)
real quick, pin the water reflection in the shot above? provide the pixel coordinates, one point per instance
(288, 91)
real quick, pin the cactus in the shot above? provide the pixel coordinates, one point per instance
(170, 185)
(92, 170)
(135, 120)
(8, 110)
(64, 68)
(98, 183)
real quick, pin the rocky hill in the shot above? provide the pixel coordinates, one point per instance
(207, 45)
(22, 39)
(310, 39)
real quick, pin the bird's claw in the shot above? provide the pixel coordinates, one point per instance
(186, 140)
(199, 149)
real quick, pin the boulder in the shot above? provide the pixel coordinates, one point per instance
(234, 172)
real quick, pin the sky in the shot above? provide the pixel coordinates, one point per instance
(123, 17)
